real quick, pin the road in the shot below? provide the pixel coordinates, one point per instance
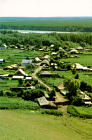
(39, 80)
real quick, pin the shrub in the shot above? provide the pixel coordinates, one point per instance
(82, 112)
(17, 103)
(77, 76)
(52, 112)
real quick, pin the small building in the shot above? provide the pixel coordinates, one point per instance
(2, 61)
(43, 102)
(61, 89)
(54, 53)
(27, 84)
(45, 63)
(79, 48)
(21, 72)
(73, 51)
(17, 77)
(28, 78)
(46, 57)
(26, 62)
(78, 66)
(48, 74)
(37, 59)
(11, 67)
(3, 47)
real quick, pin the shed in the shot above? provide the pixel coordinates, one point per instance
(79, 48)
(48, 74)
(2, 61)
(43, 101)
(17, 77)
(46, 57)
(73, 51)
(21, 72)
(3, 47)
(45, 62)
(37, 59)
(26, 62)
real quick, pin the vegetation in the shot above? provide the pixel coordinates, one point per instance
(85, 112)
(48, 24)
(17, 103)
(52, 112)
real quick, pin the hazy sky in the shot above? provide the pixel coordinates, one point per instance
(45, 8)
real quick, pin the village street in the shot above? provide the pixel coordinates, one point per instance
(59, 98)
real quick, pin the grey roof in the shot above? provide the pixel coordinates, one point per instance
(26, 61)
(43, 101)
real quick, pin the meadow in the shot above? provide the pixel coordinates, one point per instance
(26, 125)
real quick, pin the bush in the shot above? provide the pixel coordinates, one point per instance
(52, 112)
(17, 103)
(82, 112)
(32, 94)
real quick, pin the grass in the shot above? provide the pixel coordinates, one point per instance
(26, 125)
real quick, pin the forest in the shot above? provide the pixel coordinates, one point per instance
(83, 24)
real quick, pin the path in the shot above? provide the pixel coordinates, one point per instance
(41, 82)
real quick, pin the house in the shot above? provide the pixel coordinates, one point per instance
(2, 61)
(78, 66)
(48, 74)
(54, 53)
(45, 63)
(28, 78)
(21, 72)
(27, 84)
(17, 77)
(37, 59)
(73, 51)
(43, 102)
(26, 62)
(61, 89)
(3, 47)
(46, 57)
(11, 67)
(79, 48)
(85, 98)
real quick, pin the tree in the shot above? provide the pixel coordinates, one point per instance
(20, 82)
(72, 85)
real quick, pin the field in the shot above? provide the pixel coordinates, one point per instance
(26, 125)
(48, 24)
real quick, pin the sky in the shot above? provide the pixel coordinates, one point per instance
(45, 8)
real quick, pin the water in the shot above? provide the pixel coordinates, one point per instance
(39, 32)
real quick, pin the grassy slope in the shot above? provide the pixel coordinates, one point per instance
(20, 125)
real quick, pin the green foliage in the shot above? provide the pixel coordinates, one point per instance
(52, 94)
(84, 112)
(77, 76)
(20, 82)
(52, 112)
(72, 85)
(32, 94)
(48, 24)
(16, 103)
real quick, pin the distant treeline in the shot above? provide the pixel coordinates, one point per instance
(10, 37)
(48, 24)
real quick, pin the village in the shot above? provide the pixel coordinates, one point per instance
(30, 75)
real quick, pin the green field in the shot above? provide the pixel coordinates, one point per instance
(26, 125)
